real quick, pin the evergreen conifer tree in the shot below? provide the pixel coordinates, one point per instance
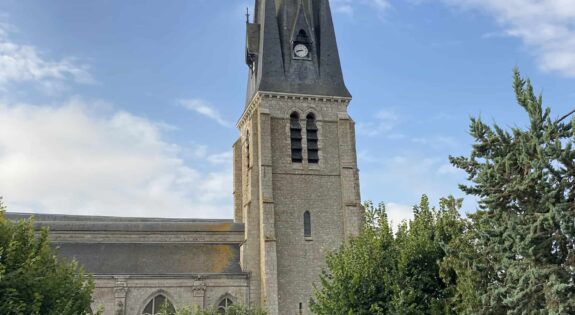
(525, 228)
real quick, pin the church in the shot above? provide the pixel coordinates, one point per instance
(295, 182)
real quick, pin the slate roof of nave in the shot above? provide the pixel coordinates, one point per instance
(144, 246)
(153, 259)
(63, 222)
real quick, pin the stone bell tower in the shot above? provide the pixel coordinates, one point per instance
(296, 185)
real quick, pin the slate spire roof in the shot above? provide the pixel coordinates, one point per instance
(277, 26)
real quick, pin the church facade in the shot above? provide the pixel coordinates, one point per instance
(296, 190)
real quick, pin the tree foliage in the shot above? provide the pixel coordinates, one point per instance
(422, 245)
(32, 280)
(360, 277)
(377, 273)
(232, 310)
(515, 255)
(520, 251)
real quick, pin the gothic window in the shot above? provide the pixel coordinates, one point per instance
(312, 139)
(295, 135)
(157, 304)
(301, 37)
(306, 224)
(224, 305)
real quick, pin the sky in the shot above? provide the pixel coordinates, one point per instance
(129, 107)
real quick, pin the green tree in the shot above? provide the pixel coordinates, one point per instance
(524, 231)
(463, 268)
(421, 243)
(376, 273)
(32, 280)
(360, 276)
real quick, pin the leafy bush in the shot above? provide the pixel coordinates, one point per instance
(32, 280)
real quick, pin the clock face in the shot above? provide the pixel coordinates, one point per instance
(300, 50)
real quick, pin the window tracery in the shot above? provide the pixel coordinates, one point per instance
(224, 305)
(158, 303)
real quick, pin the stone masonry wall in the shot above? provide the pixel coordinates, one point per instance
(329, 190)
(125, 295)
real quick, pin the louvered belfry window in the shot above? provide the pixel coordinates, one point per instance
(312, 139)
(295, 135)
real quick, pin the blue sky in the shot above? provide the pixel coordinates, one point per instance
(129, 107)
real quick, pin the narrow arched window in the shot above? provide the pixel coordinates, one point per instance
(157, 304)
(302, 37)
(312, 139)
(306, 224)
(247, 149)
(295, 135)
(224, 305)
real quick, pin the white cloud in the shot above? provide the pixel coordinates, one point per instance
(545, 26)
(348, 6)
(385, 121)
(378, 4)
(437, 141)
(221, 158)
(343, 6)
(398, 213)
(406, 177)
(206, 109)
(4, 29)
(448, 169)
(24, 63)
(77, 159)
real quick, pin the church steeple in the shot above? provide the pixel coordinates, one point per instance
(296, 182)
(291, 48)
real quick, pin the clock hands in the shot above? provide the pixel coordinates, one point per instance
(301, 50)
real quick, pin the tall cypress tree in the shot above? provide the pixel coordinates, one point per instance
(525, 227)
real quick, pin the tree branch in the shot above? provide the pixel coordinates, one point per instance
(565, 116)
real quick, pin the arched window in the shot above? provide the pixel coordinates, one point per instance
(295, 135)
(158, 303)
(306, 224)
(312, 139)
(247, 149)
(301, 37)
(224, 305)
